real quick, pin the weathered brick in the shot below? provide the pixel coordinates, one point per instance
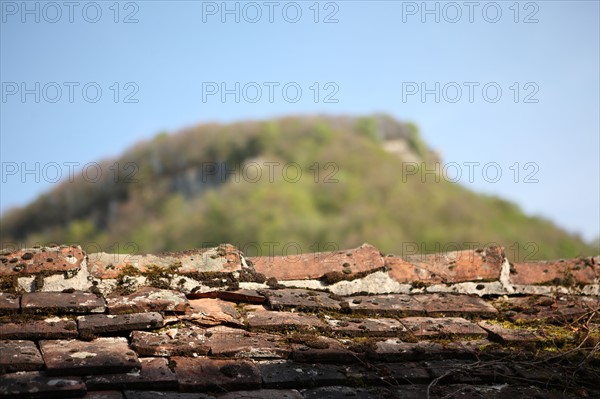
(19, 355)
(264, 394)
(300, 299)
(203, 374)
(564, 272)
(48, 328)
(261, 319)
(439, 305)
(231, 342)
(393, 350)
(212, 312)
(224, 258)
(448, 267)
(467, 371)
(389, 374)
(348, 264)
(537, 374)
(368, 327)
(494, 391)
(389, 305)
(9, 303)
(343, 392)
(101, 324)
(176, 342)
(103, 395)
(508, 335)
(322, 350)
(62, 302)
(165, 395)
(547, 309)
(299, 375)
(100, 356)
(148, 299)
(241, 295)
(47, 260)
(34, 385)
(443, 327)
(153, 374)
(469, 349)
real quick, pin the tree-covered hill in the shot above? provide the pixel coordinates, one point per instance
(281, 186)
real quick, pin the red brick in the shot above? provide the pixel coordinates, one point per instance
(62, 302)
(100, 324)
(153, 374)
(443, 327)
(300, 299)
(19, 356)
(148, 299)
(49, 328)
(100, 356)
(34, 385)
(455, 305)
(261, 319)
(203, 374)
(212, 312)
(386, 305)
(9, 303)
(568, 272)
(232, 342)
(351, 263)
(176, 342)
(449, 267)
(26, 262)
(225, 258)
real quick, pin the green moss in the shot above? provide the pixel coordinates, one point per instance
(9, 284)
(419, 284)
(160, 277)
(130, 271)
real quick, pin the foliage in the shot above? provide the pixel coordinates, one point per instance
(350, 191)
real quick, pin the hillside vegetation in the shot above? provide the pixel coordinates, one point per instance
(202, 186)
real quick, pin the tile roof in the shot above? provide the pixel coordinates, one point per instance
(212, 323)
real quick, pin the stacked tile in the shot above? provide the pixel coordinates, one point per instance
(262, 328)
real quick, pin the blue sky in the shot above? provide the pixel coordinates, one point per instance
(544, 55)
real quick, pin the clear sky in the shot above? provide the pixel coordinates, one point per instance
(158, 64)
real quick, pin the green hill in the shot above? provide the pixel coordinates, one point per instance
(324, 183)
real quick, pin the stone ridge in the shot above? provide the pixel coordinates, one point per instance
(212, 323)
(484, 271)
